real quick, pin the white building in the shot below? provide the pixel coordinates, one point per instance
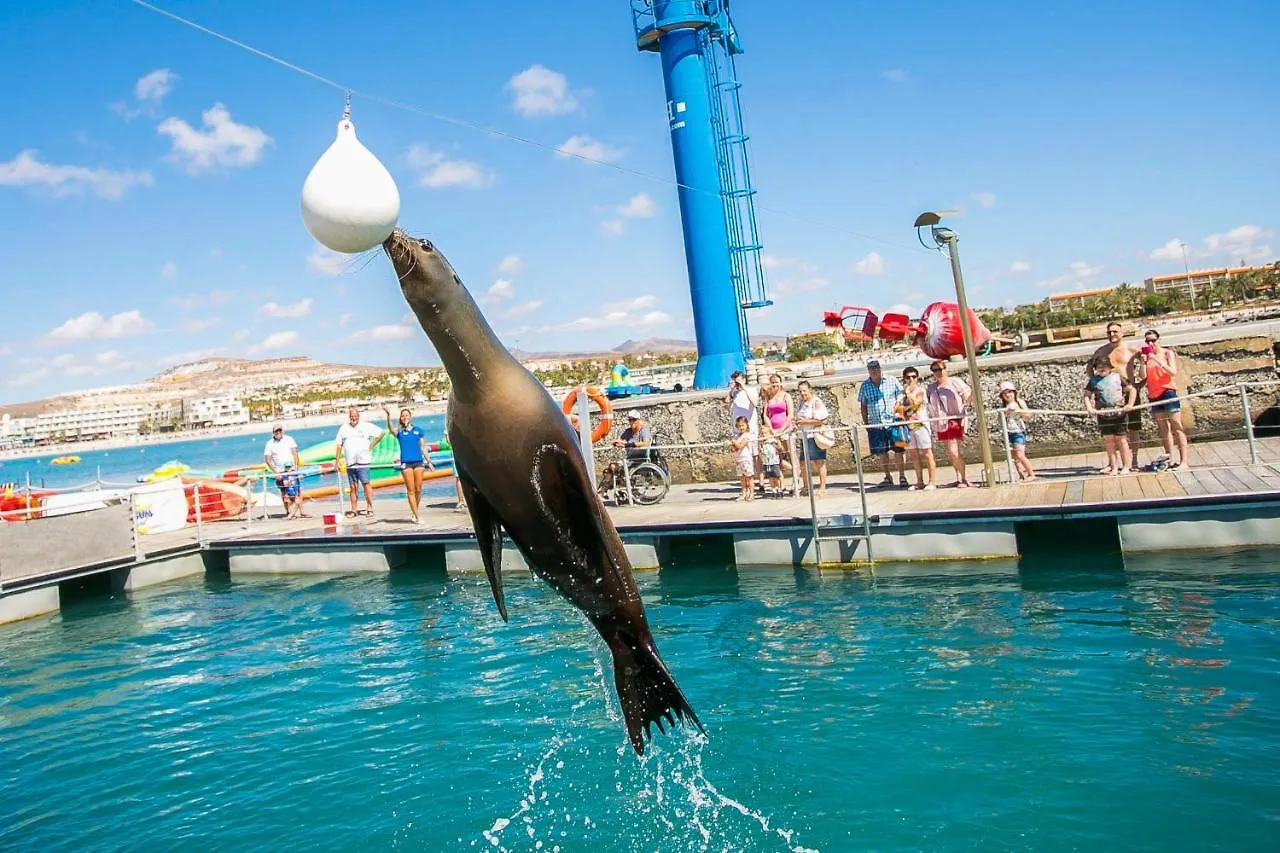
(214, 411)
(88, 423)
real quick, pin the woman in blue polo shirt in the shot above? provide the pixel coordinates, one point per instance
(412, 459)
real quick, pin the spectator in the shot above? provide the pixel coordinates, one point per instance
(1015, 410)
(744, 457)
(355, 442)
(412, 458)
(1123, 358)
(811, 414)
(281, 457)
(744, 402)
(1161, 369)
(636, 439)
(771, 459)
(946, 399)
(1110, 397)
(878, 396)
(780, 412)
(919, 435)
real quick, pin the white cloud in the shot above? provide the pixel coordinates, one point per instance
(389, 332)
(522, 310)
(872, 264)
(799, 285)
(540, 91)
(301, 308)
(631, 314)
(437, 171)
(639, 206)
(92, 326)
(511, 265)
(222, 143)
(1238, 244)
(344, 319)
(276, 342)
(327, 262)
(590, 150)
(500, 290)
(985, 199)
(1019, 267)
(636, 304)
(26, 170)
(67, 364)
(1078, 273)
(895, 75)
(195, 326)
(1171, 251)
(776, 262)
(613, 226)
(241, 336)
(1084, 269)
(149, 92)
(154, 85)
(169, 270)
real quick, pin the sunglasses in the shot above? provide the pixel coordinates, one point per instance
(937, 370)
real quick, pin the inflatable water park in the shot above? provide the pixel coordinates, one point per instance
(174, 495)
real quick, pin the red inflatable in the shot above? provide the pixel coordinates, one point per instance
(939, 334)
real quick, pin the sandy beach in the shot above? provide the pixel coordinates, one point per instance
(262, 428)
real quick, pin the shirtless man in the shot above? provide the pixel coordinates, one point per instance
(1124, 359)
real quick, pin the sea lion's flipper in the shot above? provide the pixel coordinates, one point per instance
(489, 537)
(646, 689)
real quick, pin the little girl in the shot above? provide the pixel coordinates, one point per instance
(771, 458)
(1015, 409)
(744, 458)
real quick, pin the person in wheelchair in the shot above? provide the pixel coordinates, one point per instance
(637, 438)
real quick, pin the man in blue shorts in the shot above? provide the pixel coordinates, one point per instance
(878, 395)
(356, 440)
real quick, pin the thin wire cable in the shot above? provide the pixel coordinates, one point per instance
(470, 125)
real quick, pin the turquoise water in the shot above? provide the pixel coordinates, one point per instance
(123, 466)
(944, 707)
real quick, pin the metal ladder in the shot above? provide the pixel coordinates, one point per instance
(856, 528)
(719, 44)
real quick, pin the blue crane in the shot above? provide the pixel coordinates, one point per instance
(697, 43)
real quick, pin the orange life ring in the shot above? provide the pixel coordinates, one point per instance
(606, 410)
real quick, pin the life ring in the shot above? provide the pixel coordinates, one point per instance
(606, 410)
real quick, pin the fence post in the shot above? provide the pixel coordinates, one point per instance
(584, 434)
(1248, 424)
(27, 514)
(813, 505)
(133, 520)
(862, 491)
(195, 497)
(1008, 451)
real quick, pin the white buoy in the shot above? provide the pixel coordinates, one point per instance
(349, 201)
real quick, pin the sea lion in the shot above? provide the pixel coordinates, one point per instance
(522, 472)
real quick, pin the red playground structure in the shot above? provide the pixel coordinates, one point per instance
(937, 332)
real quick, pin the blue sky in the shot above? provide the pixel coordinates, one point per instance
(150, 174)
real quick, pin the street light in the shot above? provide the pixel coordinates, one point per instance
(946, 238)
(1191, 285)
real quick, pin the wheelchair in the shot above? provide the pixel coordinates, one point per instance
(642, 479)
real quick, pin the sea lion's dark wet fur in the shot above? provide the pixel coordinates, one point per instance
(522, 472)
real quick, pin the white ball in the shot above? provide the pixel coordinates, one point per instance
(349, 201)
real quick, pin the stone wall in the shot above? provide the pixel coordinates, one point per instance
(1055, 383)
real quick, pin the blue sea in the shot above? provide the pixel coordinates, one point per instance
(123, 467)
(992, 706)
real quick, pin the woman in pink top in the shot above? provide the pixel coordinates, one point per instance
(780, 411)
(947, 398)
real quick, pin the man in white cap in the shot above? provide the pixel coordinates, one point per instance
(636, 438)
(281, 456)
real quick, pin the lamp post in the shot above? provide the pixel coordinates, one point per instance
(946, 238)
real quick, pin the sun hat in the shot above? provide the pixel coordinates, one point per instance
(1006, 385)
(633, 415)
